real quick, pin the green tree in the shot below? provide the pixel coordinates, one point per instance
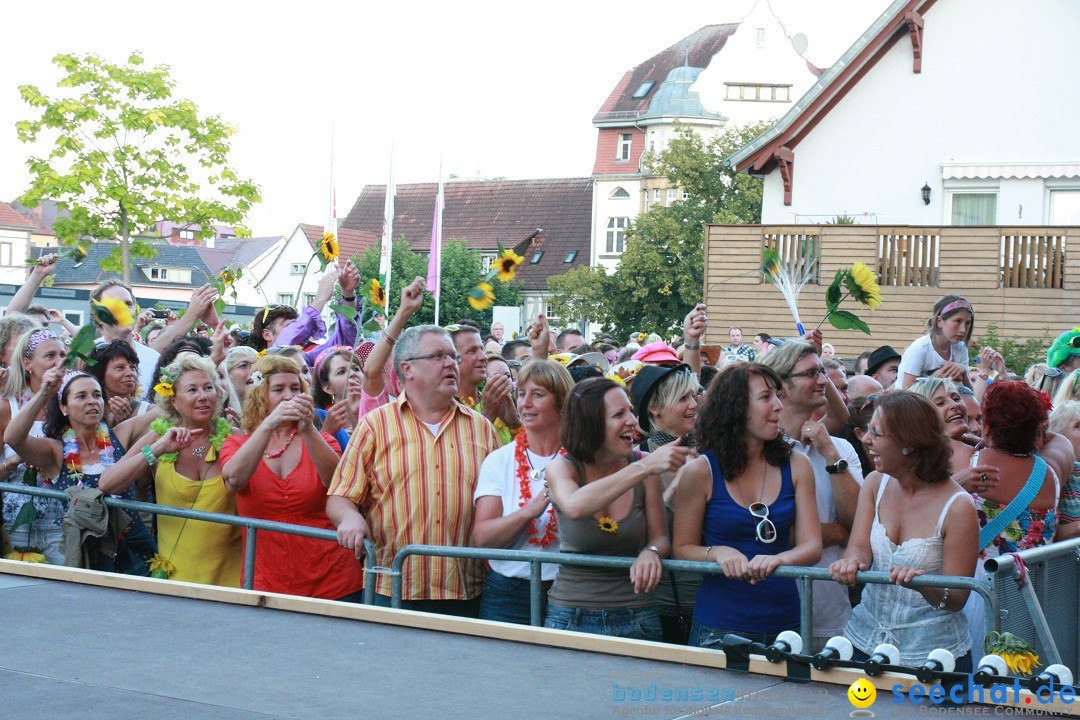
(661, 275)
(460, 273)
(126, 155)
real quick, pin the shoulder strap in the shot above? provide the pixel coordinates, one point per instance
(881, 491)
(1012, 511)
(945, 510)
(579, 468)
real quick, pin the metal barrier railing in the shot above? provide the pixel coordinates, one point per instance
(253, 525)
(1039, 592)
(804, 577)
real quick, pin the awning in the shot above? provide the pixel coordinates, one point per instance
(952, 171)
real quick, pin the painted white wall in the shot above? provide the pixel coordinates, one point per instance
(995, 87)
(255, 273)
(15, 272)
(278, 278)
(605, 207)
(747, 59)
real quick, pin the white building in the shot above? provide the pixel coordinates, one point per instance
(954, 112)
(14, 245)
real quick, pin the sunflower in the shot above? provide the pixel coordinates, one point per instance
(507, 265)
(112, 312)
(164, 388)
(77, 253)
(328, 248)
(25, 554)
(228, 277)
(377, 293)
(160, 567)
(607, 524)
(1015, 651)
(481, 297)
(863, 286)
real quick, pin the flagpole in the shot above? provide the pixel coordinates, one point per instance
(388, 233)
(434, 278)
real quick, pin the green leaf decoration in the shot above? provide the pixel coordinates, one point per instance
(219, 307)
(346, 311)
(833, 294)
(371, 325)
(30, 476)
(27, 515)
(770, 262)
(491, 274)
(844, 320)
(81, 347)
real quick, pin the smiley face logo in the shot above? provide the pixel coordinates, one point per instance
(862, 693)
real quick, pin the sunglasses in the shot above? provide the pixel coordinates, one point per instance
(868, 403)
(766, 531)
(455, 328)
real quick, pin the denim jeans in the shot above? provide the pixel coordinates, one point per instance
(134, 551)
(458, 608)
(636, 623)
(506, 599)
(702, 635)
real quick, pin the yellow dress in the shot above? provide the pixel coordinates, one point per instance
(201, 552)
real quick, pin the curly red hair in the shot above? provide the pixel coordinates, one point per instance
(1014, 415)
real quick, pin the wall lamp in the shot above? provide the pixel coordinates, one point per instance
(926, 193)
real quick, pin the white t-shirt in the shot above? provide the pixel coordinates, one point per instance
(921, 358)
(831, 606)
(148, 360)
(498, 479)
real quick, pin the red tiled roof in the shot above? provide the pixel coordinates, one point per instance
(11, 219)
(350, 242)
(702, 45)
(483, 214)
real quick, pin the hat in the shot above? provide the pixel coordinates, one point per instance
(879, 357)
(624, 372)
(569, 360)
(656, 352)
(647, 380)
(1065, 345)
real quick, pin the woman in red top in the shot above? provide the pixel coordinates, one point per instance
(280, 471)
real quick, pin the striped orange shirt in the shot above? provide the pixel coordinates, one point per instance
(414, 487)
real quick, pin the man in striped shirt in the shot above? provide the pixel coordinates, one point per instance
(411, 468)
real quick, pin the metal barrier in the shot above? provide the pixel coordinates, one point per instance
(1043, 599)
(803, 576)
(253, 525)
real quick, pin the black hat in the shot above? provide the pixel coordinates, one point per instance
(641, 390)
(879, 357)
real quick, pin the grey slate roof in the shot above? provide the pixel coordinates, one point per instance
(169, 256)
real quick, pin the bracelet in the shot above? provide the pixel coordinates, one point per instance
(688, 346)
(944, 599)
(151, 458)
(389, 338)
(707, 551)
(348, 299)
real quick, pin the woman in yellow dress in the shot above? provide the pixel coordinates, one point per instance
(180, 456)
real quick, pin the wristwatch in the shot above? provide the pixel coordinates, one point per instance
(655, 550)
(838, 467)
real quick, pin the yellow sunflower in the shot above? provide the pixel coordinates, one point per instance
(607, 524)
(28, 555)
(864, 287)
(228, 277)
(160, 567)
(112, 312)
(482, 296)
(328, 248)
(507, 265)
(164, 388)
(377, 293)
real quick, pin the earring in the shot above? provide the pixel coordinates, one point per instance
(906, 451)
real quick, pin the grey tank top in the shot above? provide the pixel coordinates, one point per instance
(601, 588)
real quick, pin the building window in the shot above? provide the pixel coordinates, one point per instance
(757, 92)
(658, 197)
(536, 257)
(187, 234)
(75, 317)
(616, 234)
(760, 37)
(309, 298)
(619, 193)
(685, 196)
(570, 256)
(159, 273)
(974, 208)
(671, 194)
(549, 310)
(485, 262)
(643, 89)
(1065, 207)
(6, 251)
(284, 299)
(622, 150)
(297, 268)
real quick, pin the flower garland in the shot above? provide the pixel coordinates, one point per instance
(72, 459)
(521, 444)
(222, 430)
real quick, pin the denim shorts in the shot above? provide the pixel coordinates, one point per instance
(506, 599)
(702, 635)
(636, 623)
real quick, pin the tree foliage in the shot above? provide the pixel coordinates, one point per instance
(461, 271)
(125, 154)
(660, 277)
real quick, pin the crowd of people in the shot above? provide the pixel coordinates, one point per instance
(770, 453)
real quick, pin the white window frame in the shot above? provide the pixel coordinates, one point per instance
(7, 253)
(297, 268)
(619, 193)
(486, 259)
(285, 299)
(309, 298)
(159, 273)
(615, 237)
(187, 234)
(971, 186)
(624, 147)
(75, 317)
(1055, 190)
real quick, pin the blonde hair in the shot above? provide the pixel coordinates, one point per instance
(187, 362)
(18, 380)
(550, 375)
(257, 398)
(247, 351)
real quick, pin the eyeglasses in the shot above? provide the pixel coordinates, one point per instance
(874, 433)
(868, 403)
(766, 531)
(439, 356)
(812, 373)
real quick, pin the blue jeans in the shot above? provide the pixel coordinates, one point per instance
(635, 623)
(506, 599)
(702, 635)
(459, 608)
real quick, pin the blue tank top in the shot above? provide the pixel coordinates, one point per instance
(773, 604)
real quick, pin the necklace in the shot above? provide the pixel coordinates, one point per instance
(279, 453)
(1019, 455)
(72, 453)
(222, 430)
(526, 474)
(200, 451)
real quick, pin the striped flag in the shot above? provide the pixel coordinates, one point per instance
(388, 232)
(434, 272)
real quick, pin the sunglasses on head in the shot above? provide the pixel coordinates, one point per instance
(868, 403)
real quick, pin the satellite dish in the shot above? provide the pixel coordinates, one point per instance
(800, 43)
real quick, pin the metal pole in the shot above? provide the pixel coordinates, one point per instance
(369, 572)
(806, 611)
(249, 558)
(536, 597)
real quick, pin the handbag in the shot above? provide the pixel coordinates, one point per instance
(1019, 503)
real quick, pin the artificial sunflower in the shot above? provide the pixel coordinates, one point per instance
(26, 554)
(77, 254)
(482, 296)
(228, 277)
(112, 312)
(1015, 651)
(164, 388)
(160, 567)
(328, 248)
(377, 293)
(862, 284)
(607, 524)
(507, 265)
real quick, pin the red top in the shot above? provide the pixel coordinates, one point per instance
(293, 564)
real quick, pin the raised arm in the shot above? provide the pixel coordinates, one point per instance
(24, 296)
(322, 454)
(412, 297)
(42, 452)
(202, 300)
(693, 330)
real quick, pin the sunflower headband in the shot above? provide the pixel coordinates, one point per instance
(36, 338)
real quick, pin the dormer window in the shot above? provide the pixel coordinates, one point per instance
(643, 89)
(171, 275)
(160, 273)
(187, 234)
(622, 149)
